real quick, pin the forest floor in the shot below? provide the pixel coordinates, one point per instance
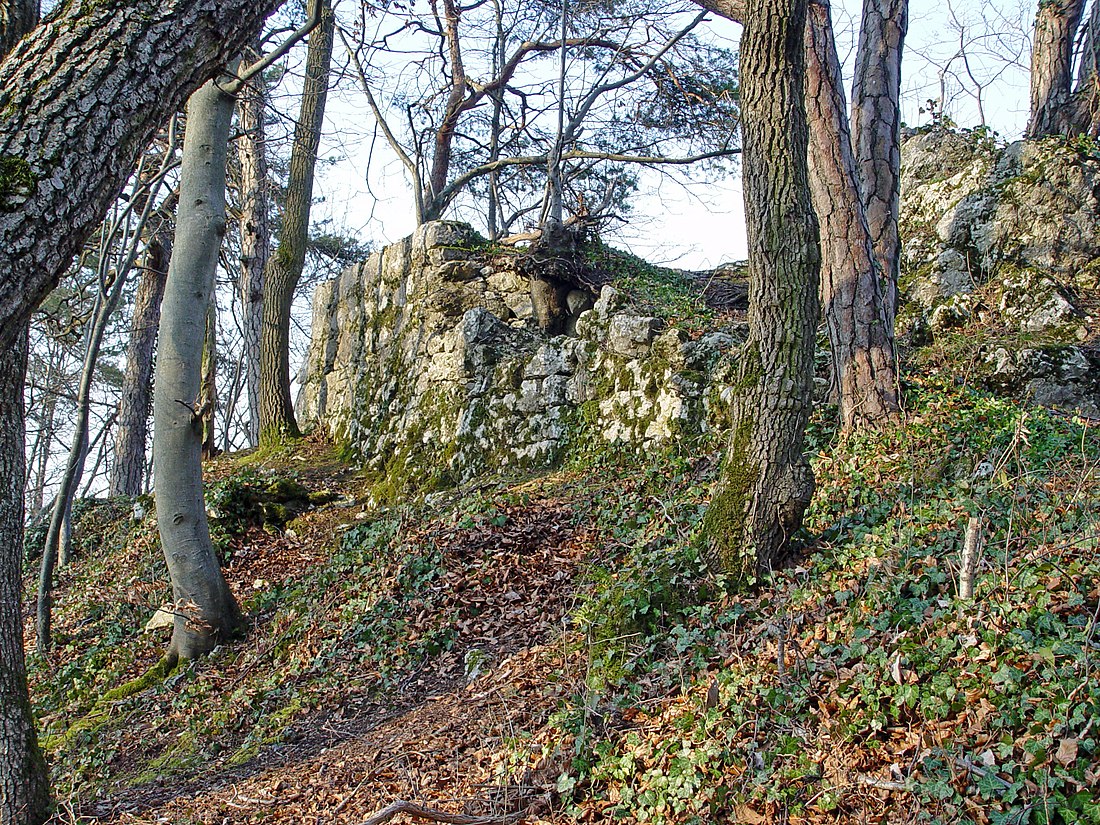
(551, 649)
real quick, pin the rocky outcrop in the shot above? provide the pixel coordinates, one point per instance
(426, 365)
(1004, 242)
(1023, 219)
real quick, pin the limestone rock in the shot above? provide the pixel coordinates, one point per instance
(1009, 236)
(975, 214)
(423, 364)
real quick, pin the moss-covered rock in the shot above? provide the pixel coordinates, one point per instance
(1002, 245)
(427, 363)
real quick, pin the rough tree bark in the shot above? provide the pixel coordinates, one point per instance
(24, 786)
(255, 229)
(876, 125)
(855, 290)
(285, 267)
(1052, 67)
(81, 98)
(206, 612)
(127, 476)
(860, 334)
(766, 482)
(1086, 95)
(24, 792)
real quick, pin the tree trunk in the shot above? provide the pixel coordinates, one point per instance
(876, 123)
(206, 612)
(285, 267)
(1052, 66)
(766, 482)
(24, 785)
(208, 389)
(128, 471)
(444, 135)
(255, 229)
(82, 96)
(859, 334)
(24, 792)
(17, 17)
(1086, 95)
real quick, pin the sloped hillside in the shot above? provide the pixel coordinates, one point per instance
(552, 646)
(543, 644)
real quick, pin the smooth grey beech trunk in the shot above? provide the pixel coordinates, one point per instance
(206, 612)
(766, 483)
(208, 389)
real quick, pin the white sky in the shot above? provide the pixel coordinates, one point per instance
(705, 227)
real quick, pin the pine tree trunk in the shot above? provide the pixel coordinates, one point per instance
(860, 336)
(876, 124)
(127, 476)
(766, 482)
(1086, 94)
(207, 613)
(255, 232)
(1052, 66)
(82, 96)
(24, 791)
(444, 135)
(285, 267)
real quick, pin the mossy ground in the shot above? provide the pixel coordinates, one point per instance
(623, 680)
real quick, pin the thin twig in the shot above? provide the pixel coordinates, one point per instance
(882, 784)
(981, 772)
(420, 812)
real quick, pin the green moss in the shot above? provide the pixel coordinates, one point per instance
(725, 528)
(322, 497)
(750, 369)
(276, 446)
(16, 179)
(157, 673)
(285, 490)
(103, 711)
(664, 293)
(590, 412)
(268, 731)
